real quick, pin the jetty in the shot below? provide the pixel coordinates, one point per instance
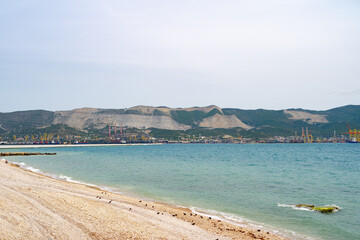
(23, 154)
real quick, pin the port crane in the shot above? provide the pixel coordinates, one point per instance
(354, 135)
(113, 126)
(310, 138)
(306, 137)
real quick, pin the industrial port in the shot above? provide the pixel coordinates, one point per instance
(124, 135)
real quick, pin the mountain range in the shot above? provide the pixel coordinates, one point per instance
(162, 121)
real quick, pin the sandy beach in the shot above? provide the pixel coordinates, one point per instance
(33, 206)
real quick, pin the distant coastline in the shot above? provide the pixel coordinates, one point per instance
(15, 146)
(210, 124)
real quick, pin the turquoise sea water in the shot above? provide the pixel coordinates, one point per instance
(254, 182)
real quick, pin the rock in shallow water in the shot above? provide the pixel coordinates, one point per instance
(305, 206)
(322, 209)
(326, 209)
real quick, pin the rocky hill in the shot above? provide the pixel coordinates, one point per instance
(248, 122)
(144, 117)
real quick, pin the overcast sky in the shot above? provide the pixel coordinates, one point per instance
(249, 54)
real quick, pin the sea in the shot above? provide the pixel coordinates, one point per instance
(247, 184)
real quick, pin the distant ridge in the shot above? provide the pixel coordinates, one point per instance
(283, 122)
(148, 117)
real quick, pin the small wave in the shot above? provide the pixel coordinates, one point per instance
(59, 177)
(35, 170)
(66, 178)
(111, 189)
(237, 220)
(70, 179)
(26, 167)
(22, 164)
(293, 206)
(222, 216)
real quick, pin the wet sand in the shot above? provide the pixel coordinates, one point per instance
(33, 206)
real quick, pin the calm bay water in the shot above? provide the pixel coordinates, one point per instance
(256, 182)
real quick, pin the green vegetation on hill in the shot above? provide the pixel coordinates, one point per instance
(133, 111)
(349, 113)
(112, 111)
(158, 113)
(55, 129)
(23, 120)
(277, 123)
(260, 117)
(192, 117)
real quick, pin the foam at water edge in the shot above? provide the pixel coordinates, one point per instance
(293, 206)
(24, 166)
(67, 179)
(237, 220)
(33, 170)
(59, 177)
(21, 164)
(110, 189)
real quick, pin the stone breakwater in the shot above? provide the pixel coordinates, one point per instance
(23, 154)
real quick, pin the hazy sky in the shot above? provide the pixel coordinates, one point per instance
(60, 55)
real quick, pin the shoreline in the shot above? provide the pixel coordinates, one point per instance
(215, 227)
(21, 146)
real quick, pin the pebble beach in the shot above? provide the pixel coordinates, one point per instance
(33, 206)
